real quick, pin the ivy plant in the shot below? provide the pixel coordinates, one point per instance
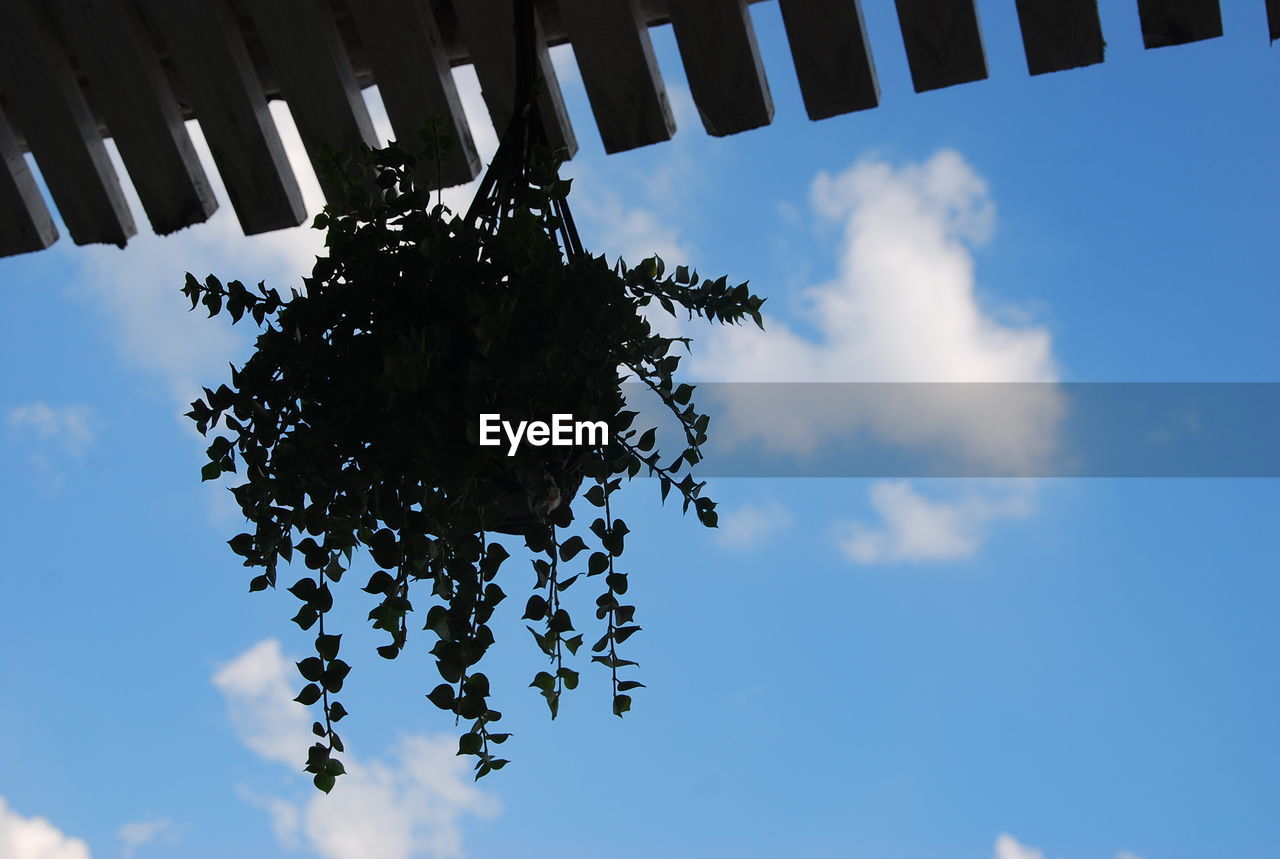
(355, 425)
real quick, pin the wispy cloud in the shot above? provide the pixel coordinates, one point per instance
(752, 525)
(408, 804)
(1008, 847)
(50, 436)
(913, 527)
(68, 428)
(141, 833)
(35, 838)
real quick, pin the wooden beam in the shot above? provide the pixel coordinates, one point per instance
(833, 60)
(612, 46)
(722, 62)
(219, 81)
(412, 71)
(943, 41)
(315, 75)
(25, 222)
(487, 27)
(1177, 22)
(1060, 34)
(45, 103)
(131, 93)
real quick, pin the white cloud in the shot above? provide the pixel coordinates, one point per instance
(141, 833)
(1007, 847)
(257, 688)
(633, 233)
(53, 433)
(406, 805)
(68, 427)
(916, 528)
(35, 838)
(752, 525)
(903, 306)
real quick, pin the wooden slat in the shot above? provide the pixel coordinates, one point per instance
(722, 62)
(48, 108)
(1060, 34)
(1177, 22)
(25, 222)
(219, 81)
(314, 72)
(131, 94)
(487, 28)
(411, 69)
(944, 44)
(832, 58)
(615, 55)
(1273, 18)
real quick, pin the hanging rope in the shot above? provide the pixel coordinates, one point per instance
(523, 142)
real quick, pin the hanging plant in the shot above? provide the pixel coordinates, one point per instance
(358, 422)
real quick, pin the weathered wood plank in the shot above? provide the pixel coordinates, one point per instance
(47, 107)
(409, 63)
(219, 81)
(315, 75)
(722, 62)
(612, 46)
(131, 93)
(1060, 34)
(1177, 22)
(25, 222)
(832, 58)
(487, 27)
(943, 41)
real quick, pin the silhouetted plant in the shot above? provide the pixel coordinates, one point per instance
(355, 424)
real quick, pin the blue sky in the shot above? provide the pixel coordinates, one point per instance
(1051, 669)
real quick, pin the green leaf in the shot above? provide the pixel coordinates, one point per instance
(311, 668)
(571, 547)
(535, 609)
(442, 696)
(325, 781)
(327, 646)
(210, 471)
(470, 744)
(622, 633)
(309, 695)
(621, 704)
(334, 675)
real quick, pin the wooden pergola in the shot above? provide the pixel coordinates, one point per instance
(73, 72)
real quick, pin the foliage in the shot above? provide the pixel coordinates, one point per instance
(355, 424)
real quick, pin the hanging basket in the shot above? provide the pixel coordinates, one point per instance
(356, 421)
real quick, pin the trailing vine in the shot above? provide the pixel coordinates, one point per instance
(355, 424)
